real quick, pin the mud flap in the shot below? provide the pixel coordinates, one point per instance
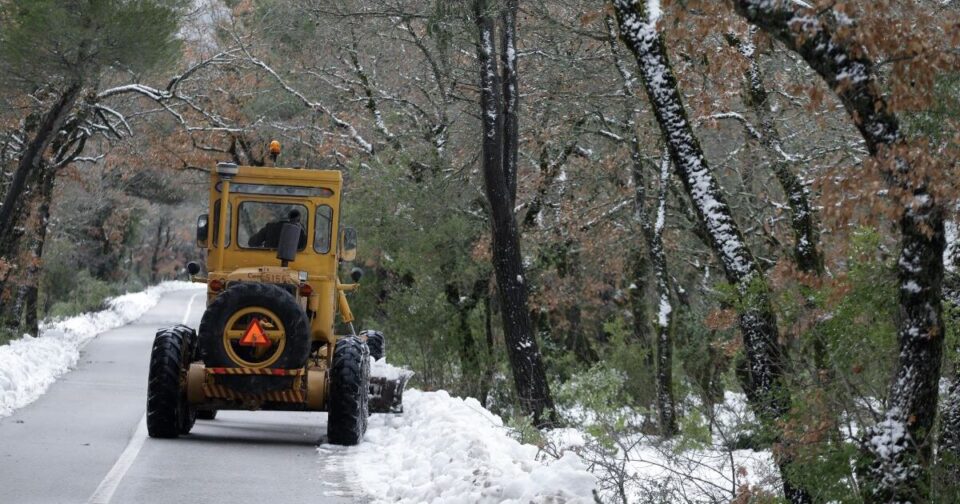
(386, 394)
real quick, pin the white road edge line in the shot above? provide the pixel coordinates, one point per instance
(109, 485)
(111, 481)
(193, 298)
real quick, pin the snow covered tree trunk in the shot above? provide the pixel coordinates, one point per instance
(757, 319)
(29, 160)
(806, 234)
(662, 362)
(511, 95)
(897, 452)
(666, 404)
(14, 208)
(522, 349)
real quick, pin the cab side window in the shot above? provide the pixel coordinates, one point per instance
(324, 229)
(216, 223)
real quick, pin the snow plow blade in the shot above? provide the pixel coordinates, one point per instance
(386, 394)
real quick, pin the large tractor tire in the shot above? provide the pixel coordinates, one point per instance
(251, 296)
(168, 414)
(348, 399)
(376, 343)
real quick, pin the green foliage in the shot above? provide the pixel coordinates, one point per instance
(945, 485)
(43, 41)
(7, 336)
(823, 462)
(853, 348)
(560, 362)
(415, 245)
(83, 294)
(694, 431)
(521, 428)
(631, 358)
(699, 353)
(68, 289)
(951, 346)
(944, 108)
(860, 334)
(595, 400)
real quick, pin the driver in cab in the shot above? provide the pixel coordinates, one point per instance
(269, 235)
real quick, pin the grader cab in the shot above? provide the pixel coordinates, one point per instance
(267, 339)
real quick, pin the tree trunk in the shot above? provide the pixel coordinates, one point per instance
(511, 95)
(806, 253)
(30, 159)
(653, 235)
(13, 210)
(896, 452)
(157, 247)
(756, 318)
(40, 220)
(522, 349)
(488, 375)
(640, 263)
(666, 404)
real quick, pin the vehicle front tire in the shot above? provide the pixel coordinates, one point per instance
(348, 401)
(168, 414)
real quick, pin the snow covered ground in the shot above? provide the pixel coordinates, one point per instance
(653, 470)
(446, 449)
(30, 364)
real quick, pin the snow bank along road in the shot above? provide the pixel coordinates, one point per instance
(80, 441)
(84, 440)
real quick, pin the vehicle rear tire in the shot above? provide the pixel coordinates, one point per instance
(206, 414)
(349, 384)
(376, 342)
(190, 339)
(188, 416)
(168, 414)
(254, 294)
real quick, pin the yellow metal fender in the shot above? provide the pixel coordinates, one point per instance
(316, 389)
(196, 376)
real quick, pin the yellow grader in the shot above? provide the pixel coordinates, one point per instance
(267, 338)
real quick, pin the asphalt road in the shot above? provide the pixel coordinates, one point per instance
(84, 441)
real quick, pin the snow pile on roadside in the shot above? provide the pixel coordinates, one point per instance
(447, 449)
(30, 364)
(382, 369)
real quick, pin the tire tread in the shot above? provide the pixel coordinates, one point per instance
(348, 402)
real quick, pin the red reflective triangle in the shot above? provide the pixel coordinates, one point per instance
(254, 335)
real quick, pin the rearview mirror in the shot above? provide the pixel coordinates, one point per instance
(289, 243)
(348, 244)
(203, 223)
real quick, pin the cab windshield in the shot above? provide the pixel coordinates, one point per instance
(260, 223)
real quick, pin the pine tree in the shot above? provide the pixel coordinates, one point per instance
(55, 51)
